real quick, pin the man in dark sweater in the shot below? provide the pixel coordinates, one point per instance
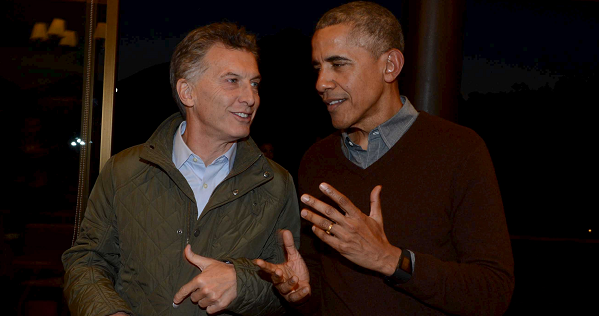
(444, 247)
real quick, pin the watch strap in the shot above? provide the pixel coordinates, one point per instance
(403, 270)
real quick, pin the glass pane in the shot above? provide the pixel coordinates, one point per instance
(52, 65)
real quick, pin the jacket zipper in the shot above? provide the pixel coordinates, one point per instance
(188, 234)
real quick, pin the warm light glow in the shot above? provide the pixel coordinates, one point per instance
(590, 230)
(69, 39)
(57, 27)
(39, 32)
(100, 31)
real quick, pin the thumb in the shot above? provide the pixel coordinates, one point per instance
(197, 260)
(375, 204)
(289, 244)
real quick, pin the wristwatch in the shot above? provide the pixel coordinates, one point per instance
(403, 271)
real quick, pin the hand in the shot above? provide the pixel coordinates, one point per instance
(214, 288)
(291, 278)
(358, 237)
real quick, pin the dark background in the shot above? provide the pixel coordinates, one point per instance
(528, 82)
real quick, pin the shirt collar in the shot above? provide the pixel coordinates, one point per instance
(392, 129)
(181, 151)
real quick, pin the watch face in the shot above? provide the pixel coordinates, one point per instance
(405, 264)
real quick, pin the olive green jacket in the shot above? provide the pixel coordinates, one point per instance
(142, 213)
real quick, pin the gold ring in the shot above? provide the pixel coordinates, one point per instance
(328, 231)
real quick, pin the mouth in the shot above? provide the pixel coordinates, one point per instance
(242, 115)
(333, 103)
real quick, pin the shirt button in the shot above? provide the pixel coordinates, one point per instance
(195, 159)
(179, 231)
(196, 233)
(205, 185)
(266, 174)
(235, 192)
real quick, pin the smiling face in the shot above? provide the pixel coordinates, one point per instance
(350, 80)
(223, 100)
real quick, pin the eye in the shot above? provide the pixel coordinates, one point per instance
(255, 84)
(232, 80)
(337, 65)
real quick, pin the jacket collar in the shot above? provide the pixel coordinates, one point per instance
(159, 149)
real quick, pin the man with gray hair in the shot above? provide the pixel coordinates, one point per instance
(172, 225)
(444, 248)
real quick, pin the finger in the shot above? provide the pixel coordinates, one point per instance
(276, 274)
(184, 292)
(341, 200)
(203, 300)
(286, 287)
(329, 239)
(289, 244)
(265, 266)
(318, 221)
(198, 296)
(375, 205)
(201, 262)
(299, 295)
(323, 208)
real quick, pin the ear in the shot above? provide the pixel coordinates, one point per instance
(394, 64)
(185, 92)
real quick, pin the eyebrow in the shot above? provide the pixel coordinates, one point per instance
(258, 77)
(331, 59)
(336, 58)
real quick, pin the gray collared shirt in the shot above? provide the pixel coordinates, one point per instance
(381, 138)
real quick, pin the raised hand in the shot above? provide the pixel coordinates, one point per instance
(214, 288)
(357, 237)
(291, 278)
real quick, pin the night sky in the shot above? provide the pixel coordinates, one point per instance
(530, 69)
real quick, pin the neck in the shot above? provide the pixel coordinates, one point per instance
(389, 105)
(203, 146)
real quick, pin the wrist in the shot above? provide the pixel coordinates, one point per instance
(390, 261)
(403, 269)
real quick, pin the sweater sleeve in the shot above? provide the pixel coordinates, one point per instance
(255, 292)
(481, 282)
(91, 265)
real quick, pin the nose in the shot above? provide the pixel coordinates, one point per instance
(324, 82)
(249, 95)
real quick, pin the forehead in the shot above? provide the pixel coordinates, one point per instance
(334, 40)
(223, 59)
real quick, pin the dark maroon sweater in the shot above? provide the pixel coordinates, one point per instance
(440, 199)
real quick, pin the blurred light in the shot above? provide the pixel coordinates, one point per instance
(100, 31)
(69, 39)
(39, 32)
(57, 27)
(82, 143)
(116, 90)
(590, 230)
(73, 144)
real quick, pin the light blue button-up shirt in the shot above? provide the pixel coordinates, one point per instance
(202, 180)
